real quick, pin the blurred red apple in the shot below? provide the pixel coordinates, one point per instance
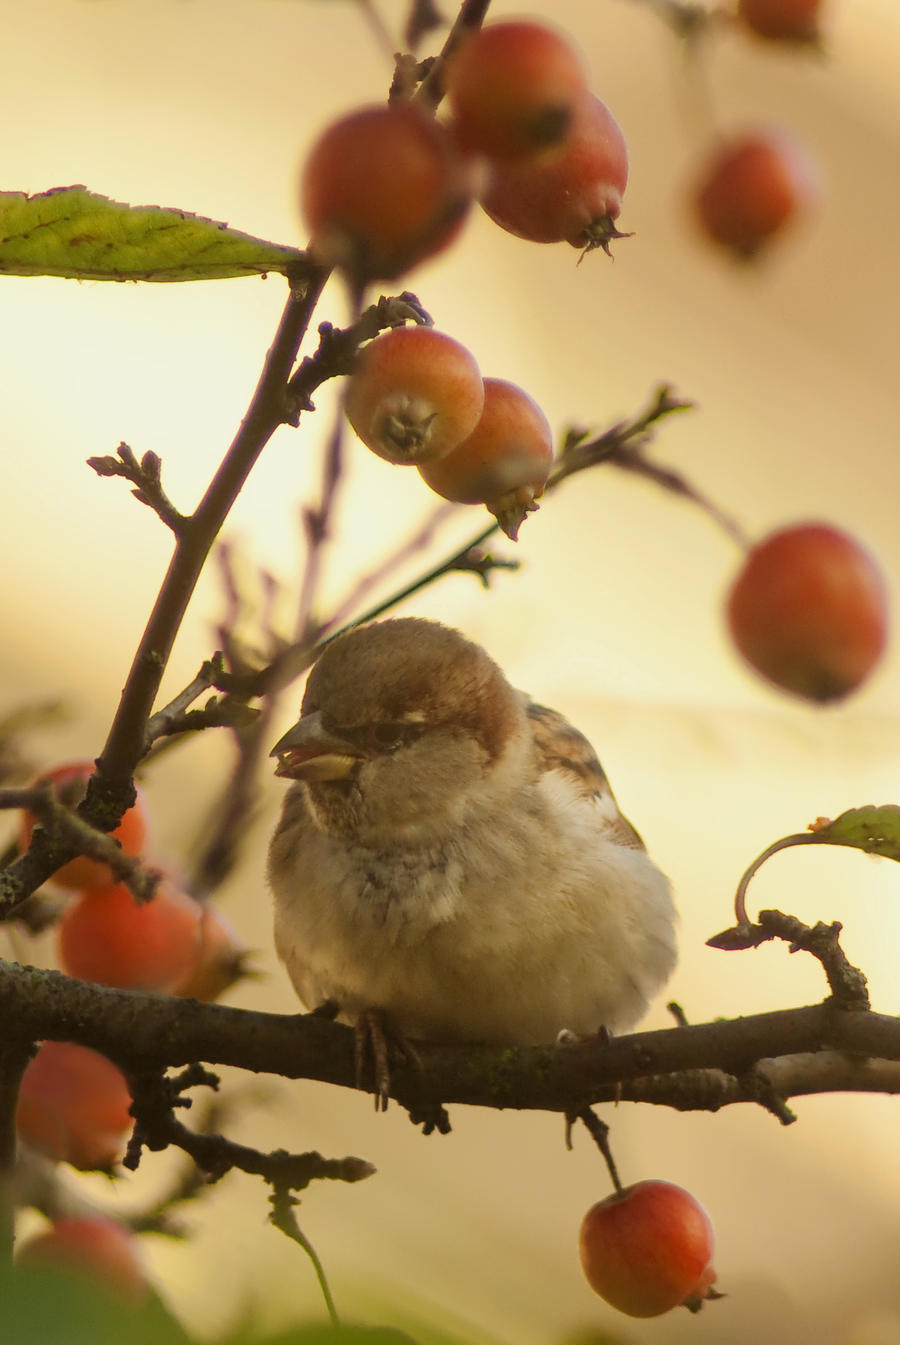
(809, 611)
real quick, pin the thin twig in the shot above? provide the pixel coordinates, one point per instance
(599, 1132)
(337, 349)
(146, 476)
(846, 982)
(67, 833)
(169, 719)
(471, 15)
(284, 1218)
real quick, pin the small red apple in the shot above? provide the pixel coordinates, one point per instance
(221, 959)
(383, 189)
(415, 395)
(513, 88)
(108, 937)
(782, 20)
(573, 194)
(648, 1248)
(504, 463)
(74, 1105)
(809, 611)
(97, 1247)
(752, 187)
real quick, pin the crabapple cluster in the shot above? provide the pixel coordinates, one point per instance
(417, 397)
(385, 188)
(74, 1104)
(648, 1248)
(555, 160)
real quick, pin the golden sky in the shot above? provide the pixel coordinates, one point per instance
(208, 105)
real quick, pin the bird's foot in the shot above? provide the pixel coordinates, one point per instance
(372, 1033)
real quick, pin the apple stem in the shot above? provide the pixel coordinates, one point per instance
(740, 896)
(599, 1132)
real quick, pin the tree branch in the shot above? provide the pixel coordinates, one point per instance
(110, 791)
(63, 832)
(146, 477)
(699, 1067)
(157, 1128)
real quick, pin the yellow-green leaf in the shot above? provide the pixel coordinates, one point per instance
(75, 233)
(873, 829)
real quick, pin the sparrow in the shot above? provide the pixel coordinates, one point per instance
(450, 854)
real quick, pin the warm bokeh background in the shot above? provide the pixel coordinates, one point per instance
(615, 617)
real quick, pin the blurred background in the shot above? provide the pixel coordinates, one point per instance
(615, 617)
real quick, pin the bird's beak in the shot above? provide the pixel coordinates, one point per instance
(309, 752)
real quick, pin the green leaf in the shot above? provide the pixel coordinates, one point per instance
(876, 830)
(52, 1306)
(75, 233)
(873, 829)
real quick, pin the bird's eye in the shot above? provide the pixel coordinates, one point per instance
(388, 737)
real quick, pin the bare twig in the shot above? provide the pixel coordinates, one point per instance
(174, 717)
(471, 15)
(67, 833)
(338, 347)
(157, 1128)
(424, 17)
(846, 982)
(146, 476)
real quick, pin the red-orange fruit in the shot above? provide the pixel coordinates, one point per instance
(572, 195)
(647, 1249)
(381, 190)
(107, 937)
(74, 1106)
(505, 461)
(752, 188)
(513, 88)
(99, 1248)
(809, 610)
(414, 395)
(220, 959)
(782, 20)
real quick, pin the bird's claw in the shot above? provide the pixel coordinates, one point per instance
(371, 1033)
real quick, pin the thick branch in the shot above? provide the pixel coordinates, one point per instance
(148, 1032)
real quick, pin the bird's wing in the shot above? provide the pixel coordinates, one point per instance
(560, 747)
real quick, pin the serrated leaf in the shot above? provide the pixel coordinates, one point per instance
(871, 828)
(74, 233)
